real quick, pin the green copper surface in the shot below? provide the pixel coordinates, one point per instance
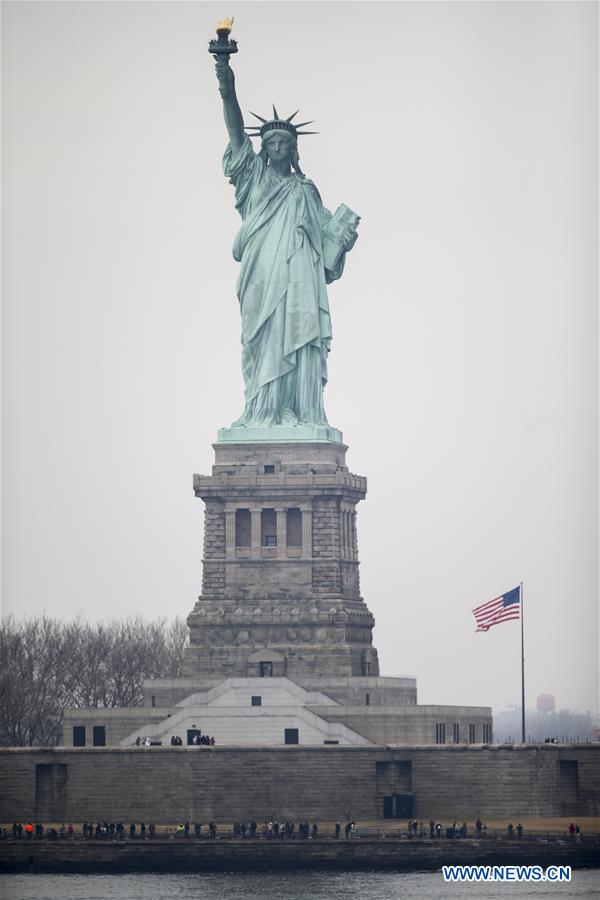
(289, 249)
(275, 433)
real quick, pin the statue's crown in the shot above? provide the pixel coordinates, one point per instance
(277, 124)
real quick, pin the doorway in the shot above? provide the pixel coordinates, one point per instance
(398, 806)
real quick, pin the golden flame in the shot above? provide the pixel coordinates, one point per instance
(225, 25)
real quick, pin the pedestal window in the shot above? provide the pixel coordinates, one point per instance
(242, 528)
(268, 528)
(294, 528)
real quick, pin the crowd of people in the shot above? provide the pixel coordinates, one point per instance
(270, 829)
(198, 740)
(437, 830)
(36, 832)
(117, 831)
(456, 831)
(200, 830)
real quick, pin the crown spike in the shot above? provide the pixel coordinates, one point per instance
(277, 123)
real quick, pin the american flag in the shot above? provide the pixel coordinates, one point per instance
(499, 610)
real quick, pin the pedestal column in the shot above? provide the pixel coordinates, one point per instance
(307, 550)
(255, 530)
(230, 533)
(281, 514)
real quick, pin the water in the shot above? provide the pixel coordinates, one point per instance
(295, 885)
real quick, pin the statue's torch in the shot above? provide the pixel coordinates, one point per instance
(223, 46)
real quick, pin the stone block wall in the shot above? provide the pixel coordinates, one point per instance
(350, 580)
(412, 724)
(327, 579)
(168, 692)
(213, 581)
(353, 691)
(350, 691)
(381, 725)
(170, 784)
(246, 457)
(383, 710)
(117, 723)
(308, 580)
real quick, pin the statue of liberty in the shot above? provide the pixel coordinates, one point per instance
(282, 246)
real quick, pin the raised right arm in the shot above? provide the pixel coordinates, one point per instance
(234, 121)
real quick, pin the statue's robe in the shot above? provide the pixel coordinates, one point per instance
(286, 327)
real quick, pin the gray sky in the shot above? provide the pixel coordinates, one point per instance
(463, 369)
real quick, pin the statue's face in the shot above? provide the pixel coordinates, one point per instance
(279, 146)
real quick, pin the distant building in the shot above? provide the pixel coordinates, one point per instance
(546, 703)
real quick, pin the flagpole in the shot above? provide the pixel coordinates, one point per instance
(522, 672)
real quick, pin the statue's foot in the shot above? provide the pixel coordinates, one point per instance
(320, 421)
(288, 417)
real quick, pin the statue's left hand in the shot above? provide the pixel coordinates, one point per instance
(350, 237)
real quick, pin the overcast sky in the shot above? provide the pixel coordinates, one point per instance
(463, 367)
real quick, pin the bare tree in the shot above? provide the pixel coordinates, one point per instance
(47, 665)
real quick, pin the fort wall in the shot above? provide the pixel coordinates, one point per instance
(168, 784)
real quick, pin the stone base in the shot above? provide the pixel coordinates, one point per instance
(281, 572)
(228, 784)
(277, 433)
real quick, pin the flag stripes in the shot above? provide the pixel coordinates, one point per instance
(500, 609)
